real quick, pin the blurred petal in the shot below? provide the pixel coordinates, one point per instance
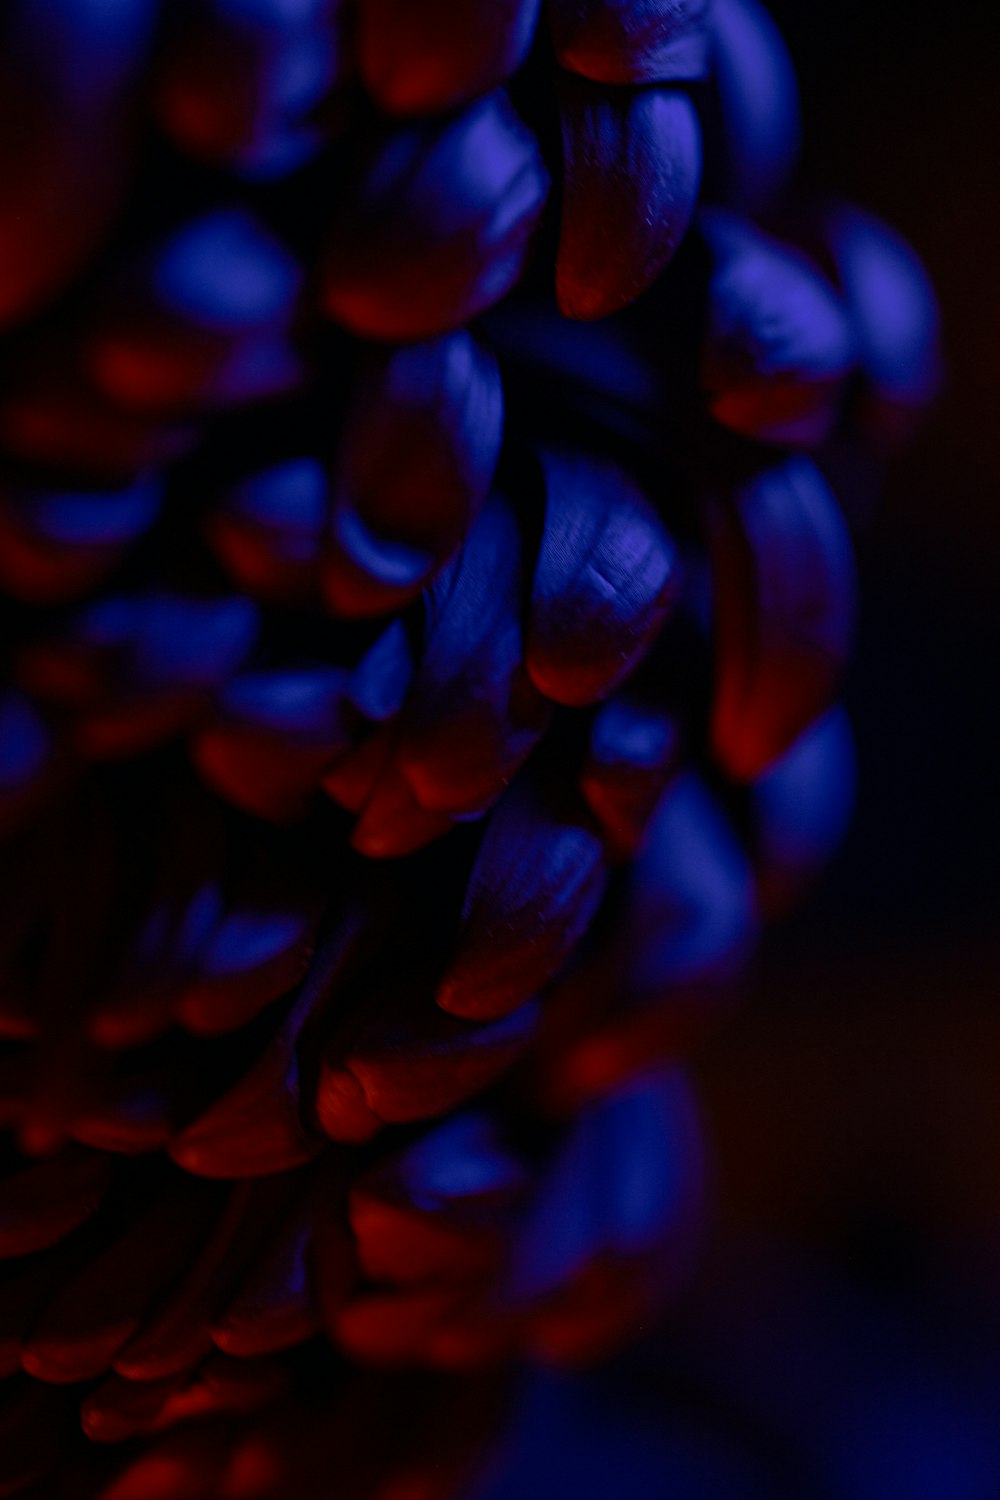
(438, 226)
(267, 530)
(632, 165)
(176, 1336)
(778, 347)
(802, 806)
(55, 546)
(606, 577)
(272, 737)
(420, 450)
(120, 1409)
(438, 1208)
(41, 1202)
(427, 56)
(784, 610)
(893, 310)
(69, 77)
(240, 85)
(691, 916)
(634, 750)
(186, 325)
(98, 1310)
(631, 41)
(759, 101)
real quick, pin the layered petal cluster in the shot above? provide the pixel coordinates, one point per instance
(424, 597)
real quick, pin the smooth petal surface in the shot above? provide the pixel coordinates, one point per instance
(438, 225)
(409, 1061)
(69, 80)
(692, 914)
(240, 85)
(427, 56)
(267, 530)
(632, 169)
(778, 347)
(759, 100)
(784, 610)
(631, 41)
(272, 736)
(634, 750)
(474, 714)
(536, 884)
(199, 319)
(894, 313)
(420, 451)
(802, 807)
(56, 546)
(606, 577)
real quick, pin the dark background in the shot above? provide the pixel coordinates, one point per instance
(856, 1099)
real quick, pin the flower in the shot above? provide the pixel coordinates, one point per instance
(425, 606)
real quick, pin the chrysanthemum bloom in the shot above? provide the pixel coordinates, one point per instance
(424, 599)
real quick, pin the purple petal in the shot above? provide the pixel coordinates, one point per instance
(631, 41)
(273, 736)
(420, 452)
(241, 85)
(534, 889)
(267, 531)
(438, 227)
(634, 750)
(892, 307)
(802, 807)
(473, 715)
(784, 611)
(422, 57)
(778, 346)
(632, 169)
(606, 578)
(759, 100)
(69, 77)
(692, 916)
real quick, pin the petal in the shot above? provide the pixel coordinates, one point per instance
(241, 85)
(778, 347)
(276, 1306)
(759, 102)
(200, 319)
(802, 806)
(100, 1308)
(267, 530)
(894, 312)
(438, 226)
(427, 56)
(411, 1062)
(272, 737)
(176, 1335)
(631, 41)
(473, 715)
(43, 1201)
(784, 610)
(606, 577)
(632, 169)
(691, 915)
(55, 546)
(69, 79)
(634, 751)
(534, 889)
(420, 451)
